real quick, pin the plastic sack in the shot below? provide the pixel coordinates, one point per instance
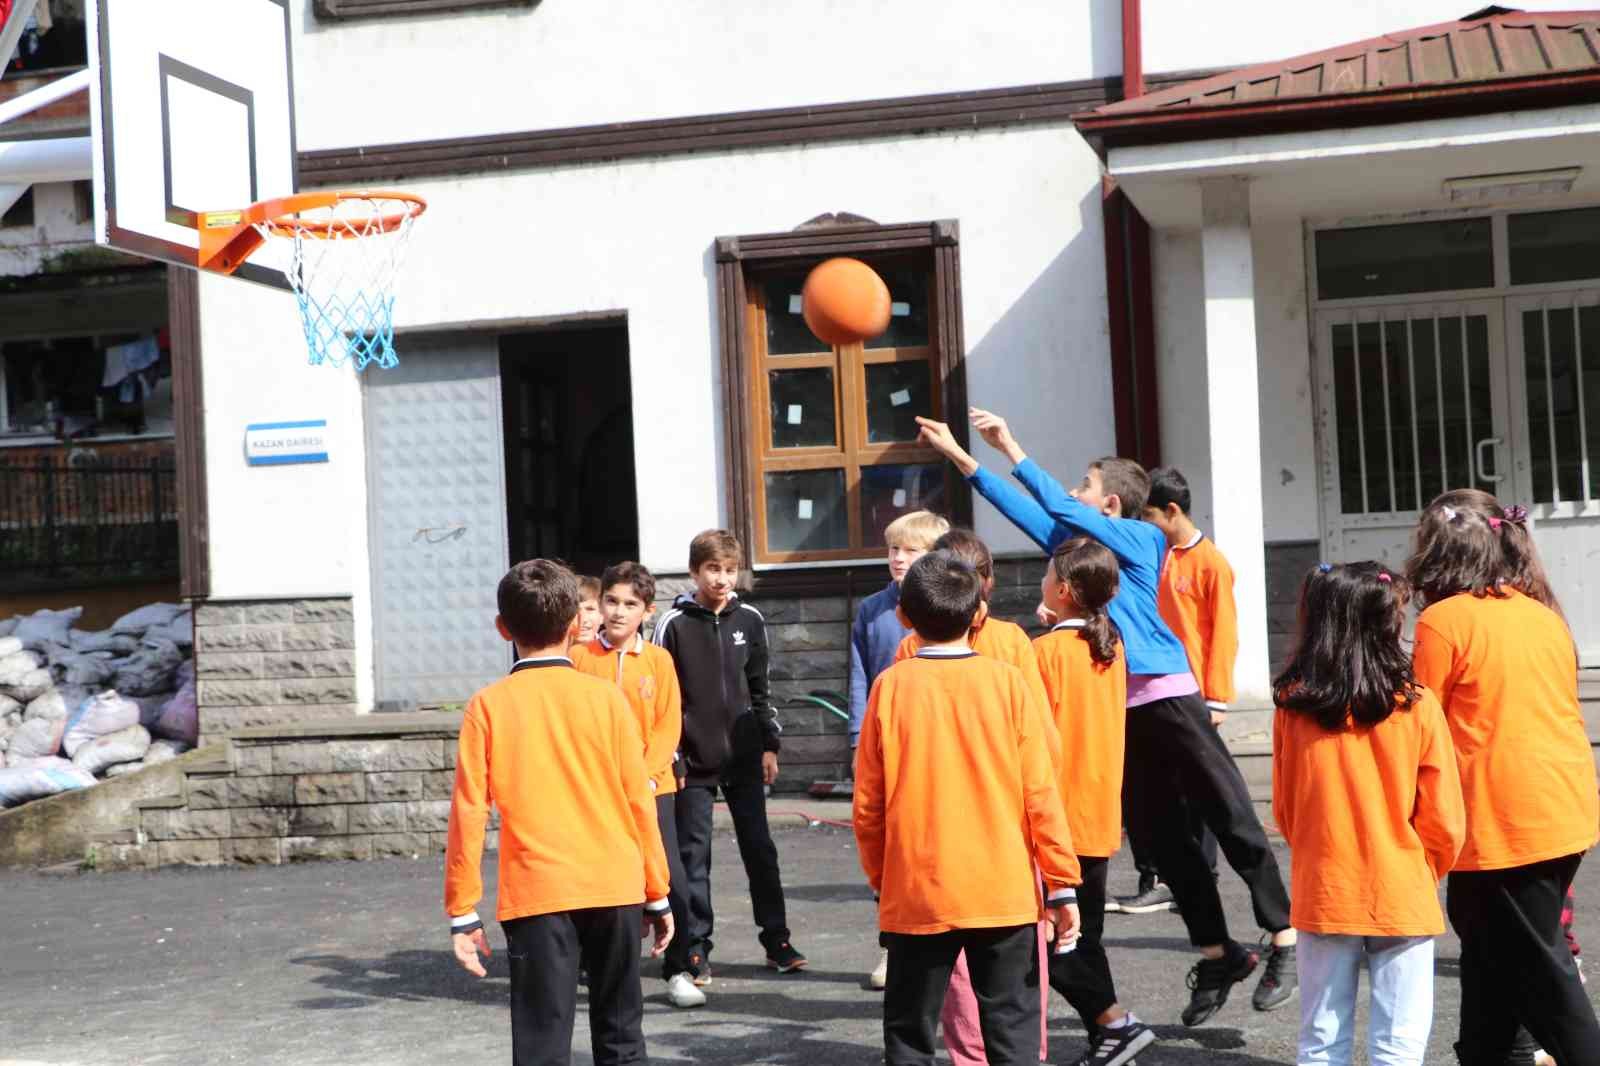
(47, 705)
(164, 751)
(151, 614)
(35, 738)
(115, 643)
(96, 717)
(47, 627)
(124, 768)
(151, 670)
(125, 745)
(15, 666)
(9, 646)
(29, 686)
(23, 783)
(180, 719)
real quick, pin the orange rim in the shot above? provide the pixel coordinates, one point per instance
(280, 216)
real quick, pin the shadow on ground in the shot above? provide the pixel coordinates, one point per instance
(414, 976)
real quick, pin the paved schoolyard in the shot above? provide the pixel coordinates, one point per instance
(347, 963)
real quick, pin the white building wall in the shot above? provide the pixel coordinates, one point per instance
(290, 532)
(572, 64)
(56, 229)
(1288, 450)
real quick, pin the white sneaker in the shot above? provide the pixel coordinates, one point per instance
(880, 973)
(682, 992)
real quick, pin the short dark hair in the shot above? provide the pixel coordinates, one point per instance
(714, 544)
(538, 599)
(1349, 663)
(1167, 485)
(967, 546)
(940, 596)
(632, 574)
(1124, 479)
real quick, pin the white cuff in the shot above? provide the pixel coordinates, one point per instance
(466, 921)
(1217, 705)
(657, 906)
(1061, 897)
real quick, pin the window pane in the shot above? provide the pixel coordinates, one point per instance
(1347, 420)
(1397, 364)
(1589, 327)
(908, 319)
(887, 492)
(1533, 344)
(1430, 420)
(896, 394)
(1554, 246)
(806, 511)
(802, 408)
(787, 332)
(1418, 257)
(1374, 419)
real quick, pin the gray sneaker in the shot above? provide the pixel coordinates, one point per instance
(1153, 896)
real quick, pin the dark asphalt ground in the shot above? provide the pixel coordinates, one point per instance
(349, 963)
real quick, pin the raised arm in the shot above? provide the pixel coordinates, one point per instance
(1017, 506)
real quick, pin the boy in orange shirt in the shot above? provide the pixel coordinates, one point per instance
(955, 802)
(1080, 660)
(588, 608)
(1364, 787)
(1491, 641)
(581, 863)
(1195, 599)
(649, 681)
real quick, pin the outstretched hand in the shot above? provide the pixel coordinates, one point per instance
(467, 947)
(996, 434)
(937, 435)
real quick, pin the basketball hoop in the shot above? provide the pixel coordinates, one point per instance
(347, 249)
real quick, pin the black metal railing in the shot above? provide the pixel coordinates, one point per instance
(88, 522)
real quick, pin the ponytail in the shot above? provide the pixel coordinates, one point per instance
(1091, 573)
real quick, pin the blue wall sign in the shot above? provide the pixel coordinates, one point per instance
(282, 443)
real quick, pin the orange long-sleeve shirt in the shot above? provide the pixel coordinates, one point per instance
(995, 638)
(1196, 601)
(560, 755)
(955, 800)
(1507, 674)
(1374, 818)
(649, 682)
(1089, 701)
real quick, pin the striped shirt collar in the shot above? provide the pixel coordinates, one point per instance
(635, 646)
(945, 653)
(1069, 623)
(1199, 535)
(541, 662)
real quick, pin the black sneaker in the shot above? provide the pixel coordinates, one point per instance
(1210, 981)
(1279, 979)
(1117, 1047)
(785, 959)
(1153, 896)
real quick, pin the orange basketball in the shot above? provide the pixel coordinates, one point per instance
(845, 302)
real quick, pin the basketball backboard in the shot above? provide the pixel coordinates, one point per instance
(192, 110)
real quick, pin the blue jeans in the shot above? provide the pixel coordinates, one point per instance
(1401, 970)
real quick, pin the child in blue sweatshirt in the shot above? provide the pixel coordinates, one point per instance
(876, 634)
(1173, 754)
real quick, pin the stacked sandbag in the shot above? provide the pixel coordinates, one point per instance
(43, 777)
(79, 702)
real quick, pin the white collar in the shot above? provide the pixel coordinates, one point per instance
(944, 653)
(1070, 623)
(637, 647)
(1199, 535)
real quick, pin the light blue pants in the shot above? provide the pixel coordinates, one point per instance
(1401, 970)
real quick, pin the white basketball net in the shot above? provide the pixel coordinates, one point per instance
(346, 259)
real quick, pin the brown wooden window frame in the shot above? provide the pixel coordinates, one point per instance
(747, 436)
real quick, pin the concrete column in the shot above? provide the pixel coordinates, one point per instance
(1234, 416)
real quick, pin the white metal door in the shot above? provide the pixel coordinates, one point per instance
(1413, 401)
(437, 504)
(1554, 341)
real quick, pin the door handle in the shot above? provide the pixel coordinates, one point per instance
(1477, 457)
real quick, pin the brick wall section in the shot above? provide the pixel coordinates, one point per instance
(266, 662)
(810, 639)
(382, 790)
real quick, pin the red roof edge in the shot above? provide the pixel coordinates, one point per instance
(1379, 107)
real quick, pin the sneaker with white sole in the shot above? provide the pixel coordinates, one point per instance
(682, 992)
(1119, 1046)
(878, 979)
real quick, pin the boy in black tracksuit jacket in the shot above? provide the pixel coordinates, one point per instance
(730, 741)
